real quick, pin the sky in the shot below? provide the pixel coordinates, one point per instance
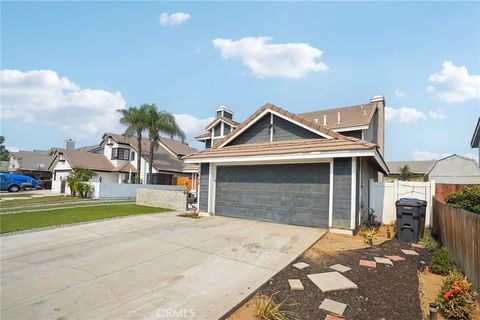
(66, 67)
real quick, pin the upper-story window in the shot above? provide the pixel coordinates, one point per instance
(120, 154)
(132, 156)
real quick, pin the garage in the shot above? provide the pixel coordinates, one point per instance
(296, 194)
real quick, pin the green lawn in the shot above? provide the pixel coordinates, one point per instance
(48, 199)
(15, 195)
(32, 220)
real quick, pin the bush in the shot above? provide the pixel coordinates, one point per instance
(268, 309)
(467, 198)
(441, 261)
(456, 299)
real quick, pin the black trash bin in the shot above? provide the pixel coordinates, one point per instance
(423, 213)
(408, 220)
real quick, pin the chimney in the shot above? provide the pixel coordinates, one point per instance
(378, 98)
(69, 144)
(338, 117)
(324, 119)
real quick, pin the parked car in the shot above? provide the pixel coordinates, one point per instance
(13, 182)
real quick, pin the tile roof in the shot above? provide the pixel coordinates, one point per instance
(224, 119)
(352, 116)
(191, 167)
(94, 161)
(415, 166)
(285, 147)
(4, 165)
(206, 135)
(32, 160)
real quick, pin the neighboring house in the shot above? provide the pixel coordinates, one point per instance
(32, 163)
(454, 169)
(280, 167)
(475, 142)
(218, 128)
(4, 166)
(418, 168)
(114, 160)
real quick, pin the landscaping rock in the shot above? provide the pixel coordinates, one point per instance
(295, 284)
(340, 268)
(383, 260)
(410, 252)
(333, 306)
(418, 245)
(331, 281)
(301, 265)
(367, 263)
(330, 317)
(396, 258)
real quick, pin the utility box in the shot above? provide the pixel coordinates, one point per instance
(409, 218)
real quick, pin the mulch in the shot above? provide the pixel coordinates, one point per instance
(387, 292)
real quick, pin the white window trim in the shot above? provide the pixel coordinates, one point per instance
(353, 199)
(271, 127)
(279, 115)
(350, 128)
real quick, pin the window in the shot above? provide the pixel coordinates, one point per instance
(120, 154)
(132, 156)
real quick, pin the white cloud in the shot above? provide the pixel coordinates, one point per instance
(12, 148)
(424, 155)
(42, 96)
(399, 93)
(287, 60)
(174, 19)
(436, 114)
(454, 84)
(403, 114)
(192, 126)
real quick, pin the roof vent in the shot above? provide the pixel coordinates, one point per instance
(316, 120)
(338, 117)
(377, 98)
(324, 119)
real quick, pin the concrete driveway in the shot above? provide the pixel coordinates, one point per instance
(157, 266)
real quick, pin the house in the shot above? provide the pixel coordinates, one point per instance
(114, 160)
(219, 127)
(475, 142)
(296, 169)
(418, 168)
(32, 163)
(454, 169)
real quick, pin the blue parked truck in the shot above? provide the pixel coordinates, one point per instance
(13, 182)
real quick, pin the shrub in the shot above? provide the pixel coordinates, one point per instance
(441, 261)
(267, 309)
(467, 198)
(456, 299)
(368, 233)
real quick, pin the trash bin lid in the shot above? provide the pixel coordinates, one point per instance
(411, 202)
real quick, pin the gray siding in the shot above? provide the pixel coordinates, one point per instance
(290, 193)
(259, 132)
(371, 134)
(228, 115)
(286, 130)
(219, 114)
(342, 192)
(216, 130)
(208, 143)
(226, 129)
(203, 199)
(355, 134)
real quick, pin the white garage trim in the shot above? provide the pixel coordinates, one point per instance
(354, 193)
(212, 177)
(330, 197)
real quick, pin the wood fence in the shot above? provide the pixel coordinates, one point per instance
(459, 231)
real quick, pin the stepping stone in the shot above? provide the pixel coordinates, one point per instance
(330, 317)
(418, 245)
(367, 263)
(301, 265)
(410, 252)
(395, 258)
(383, 260)
(333, 306)
(295, 284)
(331, 281)
(340, 268)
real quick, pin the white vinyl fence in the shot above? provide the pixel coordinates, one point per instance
(384, 194)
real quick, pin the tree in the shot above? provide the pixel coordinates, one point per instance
(160, 122)
(136, 120)
(77, 179)
(405, 173)
(4, 154)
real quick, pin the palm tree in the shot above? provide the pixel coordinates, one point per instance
(160, 122)
(405, 173)
(77, 179)
(136, 120)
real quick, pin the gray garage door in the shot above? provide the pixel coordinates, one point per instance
(291, 193)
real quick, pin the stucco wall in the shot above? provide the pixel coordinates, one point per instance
(109, 190)
(455, 170)
(166, 198)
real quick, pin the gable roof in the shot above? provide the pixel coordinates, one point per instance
(32, 160)
(94, 161)
(292, 117)
(204, 136)
(420, 167)
(476, 136)
(175, 146)
(224, 119)
(351, 116)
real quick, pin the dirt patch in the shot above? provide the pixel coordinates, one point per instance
(246, 312)
(429, 288)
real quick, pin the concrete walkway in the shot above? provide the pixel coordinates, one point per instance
(158, 266)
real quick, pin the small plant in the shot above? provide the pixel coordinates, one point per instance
(268, 309)
(193, 215)
(430, 240)
(456, 299)
(368, 233)
(441, 262)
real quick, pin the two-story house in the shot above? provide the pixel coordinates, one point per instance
(218, 128)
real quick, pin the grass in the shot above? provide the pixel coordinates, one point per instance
(49, 199)
(429, 240)
(33, 220)
(15, 195)
(57, 205)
